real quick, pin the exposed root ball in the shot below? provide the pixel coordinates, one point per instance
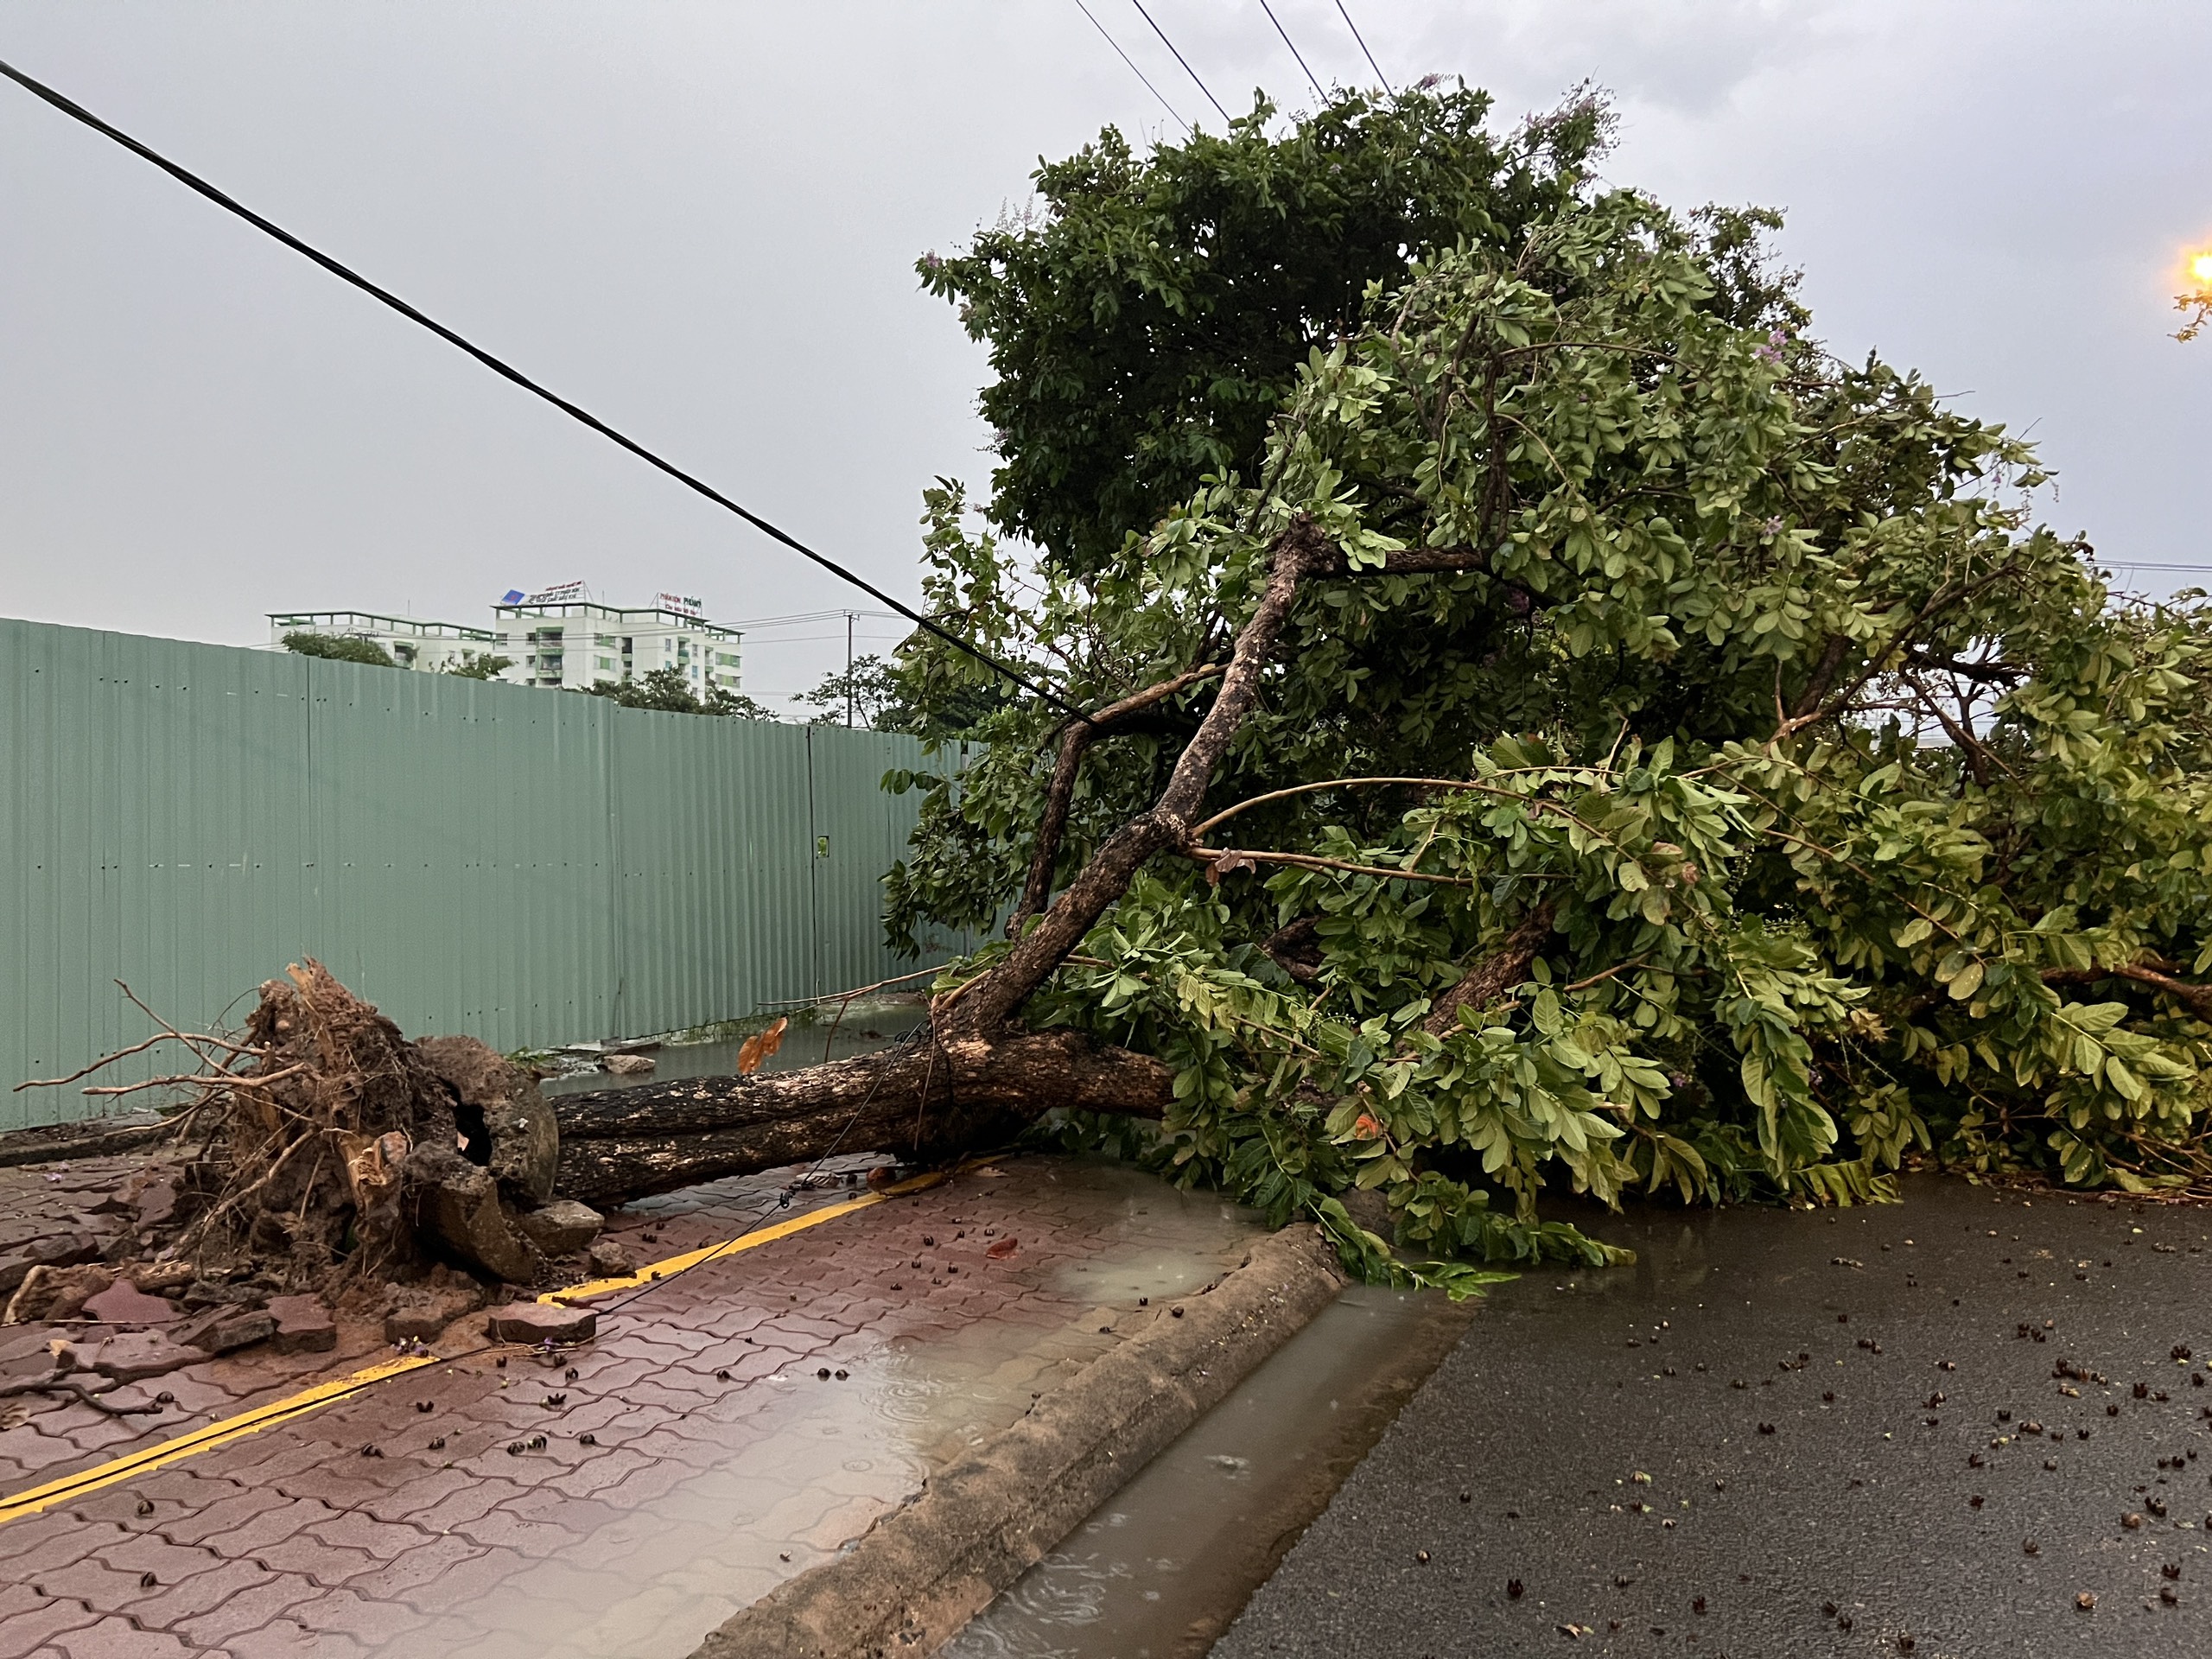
(335, 1147)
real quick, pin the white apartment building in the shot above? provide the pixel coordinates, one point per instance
(565, 638)
(559, 637)
(432, 646)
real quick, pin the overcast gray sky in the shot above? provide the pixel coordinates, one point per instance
(699, 220)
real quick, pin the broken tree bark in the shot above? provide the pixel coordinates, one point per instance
(1496, 974)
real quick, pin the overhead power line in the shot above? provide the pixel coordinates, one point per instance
(1364, 52)
(1180, 59)
(1133, 70)
(1294, 52)
(506, 371)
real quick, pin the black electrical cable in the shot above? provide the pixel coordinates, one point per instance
(1294, 52)
(1369, 56)
(193, 181)
(1133, 70)
(1180, 59)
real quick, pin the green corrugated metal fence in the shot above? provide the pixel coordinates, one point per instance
(526, 866)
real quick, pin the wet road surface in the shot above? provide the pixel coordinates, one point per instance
(1920, 1429)
(1162, 1566)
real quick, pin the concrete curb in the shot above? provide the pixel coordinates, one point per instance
(922, 1572)
(89, 1138)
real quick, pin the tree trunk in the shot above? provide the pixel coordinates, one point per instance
(923, 1100)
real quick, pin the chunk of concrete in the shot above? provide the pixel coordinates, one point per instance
(303, 1326)
(562, 1227)
(525, 1138)
(137, 1355)
(425, 1310)
(223, 1331)
(537, 1322)
(611, 1259)
(628, 1066)
(460, 1203)
(124, 1303)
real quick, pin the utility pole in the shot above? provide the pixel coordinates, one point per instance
(849, 615)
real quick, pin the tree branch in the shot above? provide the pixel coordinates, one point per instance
(1878, 662)
(1076, 738)
(2197, 999)
(1824, 672)
(1986, 673)
(1494, 975)
(988, 1002)
(1227, 860)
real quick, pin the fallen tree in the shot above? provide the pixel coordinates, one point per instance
(1582, 735)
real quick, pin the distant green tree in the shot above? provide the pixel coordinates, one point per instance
(480, 665)
(1146, 326)
(339, 648)
(870, 690)
(667, 691)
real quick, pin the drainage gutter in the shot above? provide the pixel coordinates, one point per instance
(914, 1578)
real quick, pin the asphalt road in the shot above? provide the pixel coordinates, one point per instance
(1790, 1433)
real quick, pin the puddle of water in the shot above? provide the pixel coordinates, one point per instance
(810, 1463)
(1160, 1569)
(864, 1029)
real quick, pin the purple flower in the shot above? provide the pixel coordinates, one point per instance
(1766, 354)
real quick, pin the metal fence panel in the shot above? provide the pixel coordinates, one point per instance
(528, 867)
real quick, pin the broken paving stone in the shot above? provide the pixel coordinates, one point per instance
(423, 1311)
(537, 1322)
(137, 1355)
(225, 1331)
(303, 1326)
(561, 1228)
(156, 1206)
(61, 1250)
(124, 1303)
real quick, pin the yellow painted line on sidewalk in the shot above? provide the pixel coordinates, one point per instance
(676, 1264)
(203, 1439)
(206, 1439)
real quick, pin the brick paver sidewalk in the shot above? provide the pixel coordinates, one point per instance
(692, 1456)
